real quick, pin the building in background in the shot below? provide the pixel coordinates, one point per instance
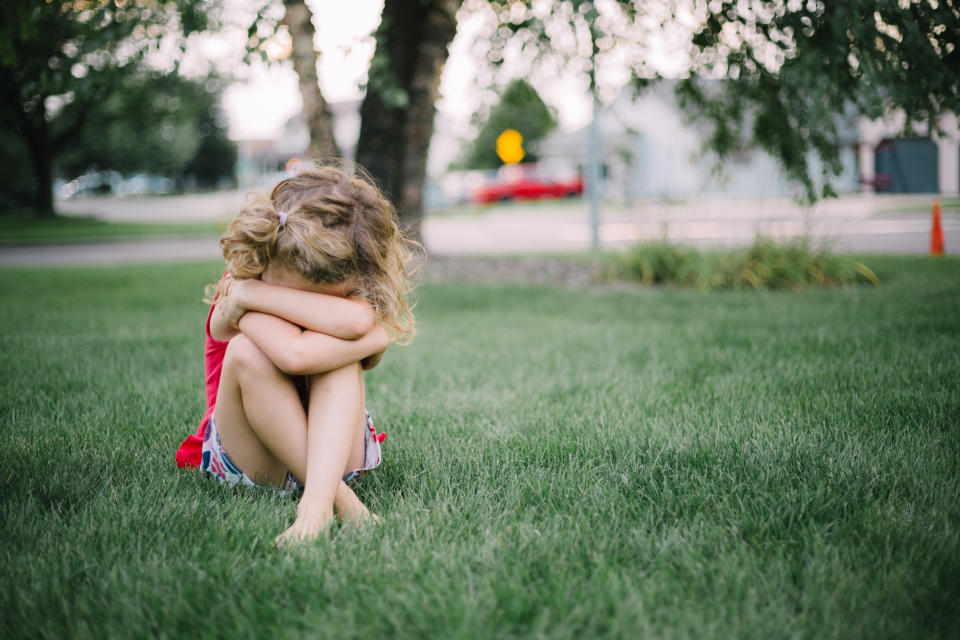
(650, 152)
(262, 163)
(927, 162)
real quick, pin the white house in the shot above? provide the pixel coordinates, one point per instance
(650, 152)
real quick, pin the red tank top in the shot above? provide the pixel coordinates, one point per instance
(189, 453)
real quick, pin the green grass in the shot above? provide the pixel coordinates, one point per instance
(26, 230)
(563, 463)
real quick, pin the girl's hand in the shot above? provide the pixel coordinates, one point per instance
(231, 304)
(220, 327)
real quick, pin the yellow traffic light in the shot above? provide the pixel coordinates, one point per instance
(510, 146)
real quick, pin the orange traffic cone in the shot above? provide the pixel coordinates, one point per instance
(936, 235)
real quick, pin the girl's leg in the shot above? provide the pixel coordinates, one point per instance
(263, 425)
(260, 419)
(335, 446)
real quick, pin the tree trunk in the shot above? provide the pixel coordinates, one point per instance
(43, 173)
(33, 125)
(398, 109)
(315, 112)
(30, 119)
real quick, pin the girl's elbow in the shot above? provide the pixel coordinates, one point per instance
(362, 323)
(303, 362)
(368, 319)
(293, 362)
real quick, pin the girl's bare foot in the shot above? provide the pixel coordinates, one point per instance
(350, 510)
(309, 525)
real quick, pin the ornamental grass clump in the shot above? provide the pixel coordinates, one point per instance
(768, 264)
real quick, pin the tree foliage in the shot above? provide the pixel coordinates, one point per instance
(77, 52)
(403, 79)
(520, 108)
(155, 123)
(779, 75)
(790, 69)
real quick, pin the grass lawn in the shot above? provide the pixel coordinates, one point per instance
(562, 463)
(25, 230)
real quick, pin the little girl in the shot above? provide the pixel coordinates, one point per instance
(316, 288)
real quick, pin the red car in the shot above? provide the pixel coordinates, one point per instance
(526, 182)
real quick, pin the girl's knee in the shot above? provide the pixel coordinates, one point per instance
(243, 355)
(348, 374)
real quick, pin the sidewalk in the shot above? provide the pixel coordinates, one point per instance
(859, 226)
(147, 250)
(863, 224)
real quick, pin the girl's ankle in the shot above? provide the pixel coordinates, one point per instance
(314, 508)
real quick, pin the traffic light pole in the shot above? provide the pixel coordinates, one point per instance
(593, 192)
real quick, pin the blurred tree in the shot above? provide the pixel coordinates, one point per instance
(18, 191)
(299, 21)
(520, 108)
(397, 111)
(60, 53)
(154, 123)
(215, 159)
(789, 68)
(403, 84)
(791, 72)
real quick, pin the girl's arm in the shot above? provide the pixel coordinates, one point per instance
(299, 352)
(346, 318)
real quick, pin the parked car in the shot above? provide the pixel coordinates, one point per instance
(527, 182)
(112, 183)
(91, 184)
(145, 184)
(460, 187)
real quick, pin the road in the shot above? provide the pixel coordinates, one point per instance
(862, 224)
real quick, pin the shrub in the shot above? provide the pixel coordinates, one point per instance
(767, 264)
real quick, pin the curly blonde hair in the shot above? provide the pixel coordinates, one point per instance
(331, 225)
